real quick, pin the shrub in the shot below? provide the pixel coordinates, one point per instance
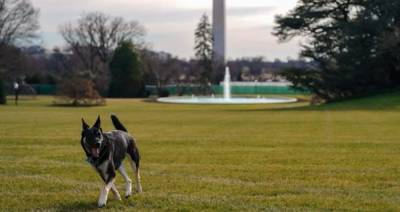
(77, 91)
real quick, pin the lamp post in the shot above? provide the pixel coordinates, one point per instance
(16, 91)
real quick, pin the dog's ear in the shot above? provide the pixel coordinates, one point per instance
(98, 123)
(84, 125)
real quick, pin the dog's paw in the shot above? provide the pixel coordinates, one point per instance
(128, 189)
(128, 194)
(101, 203)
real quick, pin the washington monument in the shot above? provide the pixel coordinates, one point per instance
(219, 29)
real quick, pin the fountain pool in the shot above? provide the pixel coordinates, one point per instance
(227, 98)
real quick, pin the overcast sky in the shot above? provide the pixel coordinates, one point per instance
(170, 24)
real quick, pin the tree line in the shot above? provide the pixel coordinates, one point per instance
(105, 56)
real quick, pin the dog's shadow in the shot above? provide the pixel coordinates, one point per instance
(92, 205)
(78, 206)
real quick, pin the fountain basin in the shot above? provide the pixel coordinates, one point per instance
(231, 101)
(227, 99)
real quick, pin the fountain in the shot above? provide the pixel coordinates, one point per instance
(227, 97)
(219, 50)
(219, 28)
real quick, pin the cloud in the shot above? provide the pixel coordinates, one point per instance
(171, 23)
(250, 11)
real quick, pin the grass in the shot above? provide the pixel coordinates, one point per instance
(343, 156)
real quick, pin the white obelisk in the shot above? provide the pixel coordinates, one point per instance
(219, 29)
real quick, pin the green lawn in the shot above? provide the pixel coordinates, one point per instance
(343, 156)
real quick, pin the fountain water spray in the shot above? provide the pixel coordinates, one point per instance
(227, 84)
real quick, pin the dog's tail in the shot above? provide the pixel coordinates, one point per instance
(117, 124)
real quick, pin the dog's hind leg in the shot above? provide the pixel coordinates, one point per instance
(115, 192)
(137, 176)
(128, 181)
(135, 163)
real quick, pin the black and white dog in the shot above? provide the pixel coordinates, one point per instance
(106, 152)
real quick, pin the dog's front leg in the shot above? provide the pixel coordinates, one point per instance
(104, 194)
(108, 174)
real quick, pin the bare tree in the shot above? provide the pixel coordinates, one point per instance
(163, 68)
(18, 21)
(96, 34)
(94, 37)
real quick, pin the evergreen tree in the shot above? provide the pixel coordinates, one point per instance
(354, 44)
(3, 99)
(126, 74)
(204, 51)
